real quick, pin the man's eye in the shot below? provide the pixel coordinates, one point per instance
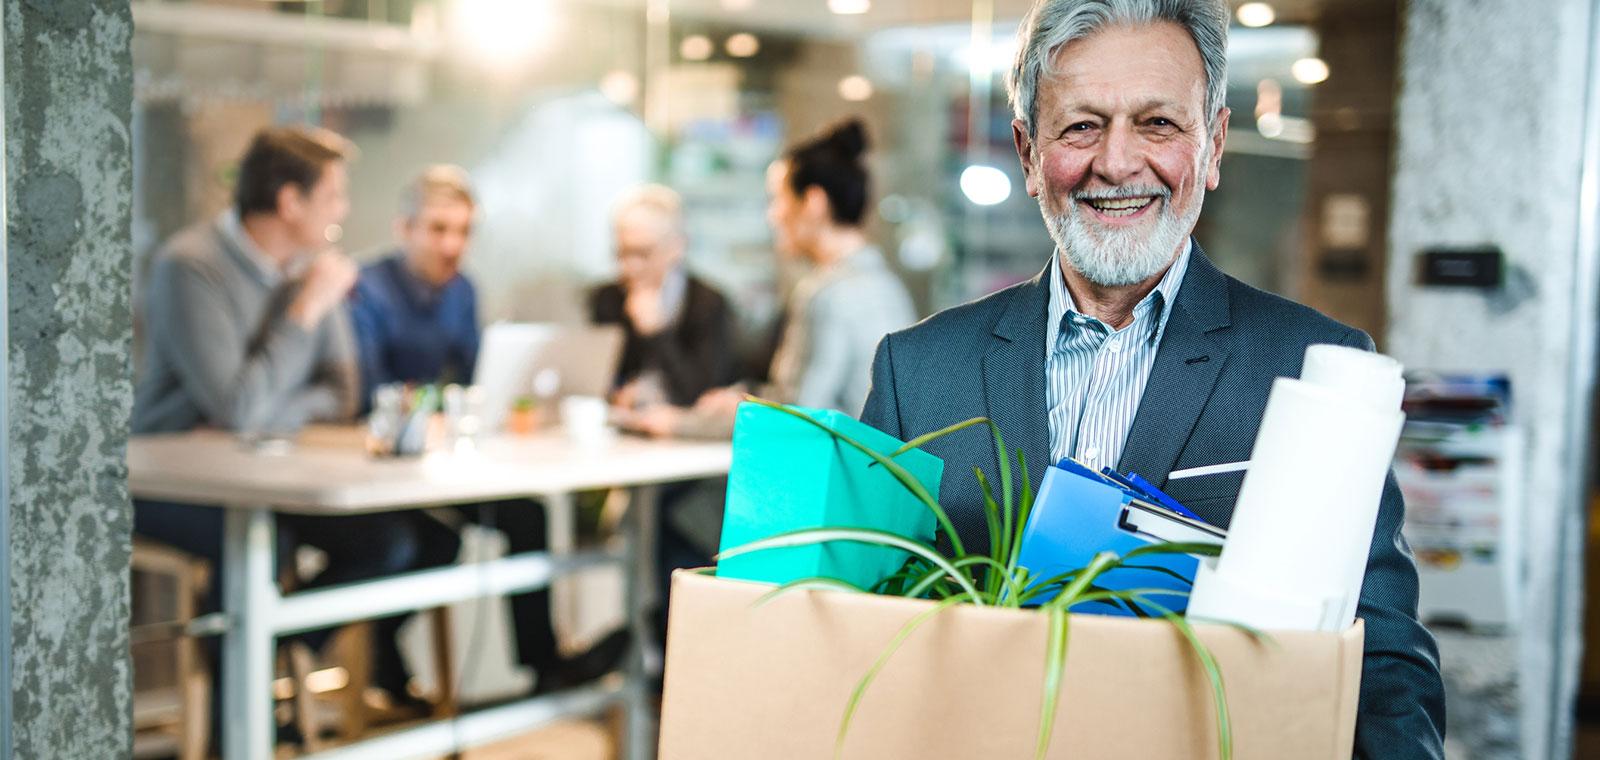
(1082, 126)
(1160, 121)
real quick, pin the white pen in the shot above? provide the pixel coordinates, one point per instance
(1211, 469)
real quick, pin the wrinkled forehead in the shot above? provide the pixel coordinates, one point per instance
(1125, 68)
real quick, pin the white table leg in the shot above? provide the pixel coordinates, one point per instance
(561, 529)
(641, 723)
(248, 597)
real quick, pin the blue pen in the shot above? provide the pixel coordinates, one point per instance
(1161, 497)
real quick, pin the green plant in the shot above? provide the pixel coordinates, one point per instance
(994, 579)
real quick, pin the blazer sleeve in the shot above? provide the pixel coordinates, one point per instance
(1401, 712)
(882, 409)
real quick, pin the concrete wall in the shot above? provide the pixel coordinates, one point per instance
(1490, 127)
(68, 81)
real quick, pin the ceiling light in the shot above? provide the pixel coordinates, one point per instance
(742, 45)
(500, 31)
(849, 7)
(1310, 70)
(855, 88)
(1256, 15)
(695, 47)
(985, 185)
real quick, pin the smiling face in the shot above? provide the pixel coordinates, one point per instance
(1122, 155)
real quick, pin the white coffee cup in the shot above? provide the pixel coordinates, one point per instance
(584, 418)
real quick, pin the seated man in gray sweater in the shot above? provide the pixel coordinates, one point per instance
(246, 331)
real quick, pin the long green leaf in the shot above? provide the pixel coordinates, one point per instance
(1069, 594)
(900, 474)
(935, 575)
(814, 582)
(1199, 548)
(1055, 663)
(1001, 458)
(808, 536)
(992, 519)
(1024, 511)
(1213, 672)
(883, 659)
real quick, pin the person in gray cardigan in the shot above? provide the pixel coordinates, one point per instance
(246, 331)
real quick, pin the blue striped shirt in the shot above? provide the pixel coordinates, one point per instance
(1094, 375)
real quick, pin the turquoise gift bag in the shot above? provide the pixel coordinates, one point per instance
(789, 475)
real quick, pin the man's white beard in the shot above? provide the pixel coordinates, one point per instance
(1121, 257)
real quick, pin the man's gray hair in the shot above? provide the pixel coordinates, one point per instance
(1054, 23)
(658, 199)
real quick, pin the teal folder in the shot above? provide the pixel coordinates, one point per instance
(788, 474)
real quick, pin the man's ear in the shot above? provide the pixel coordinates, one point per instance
(291, 201)
(1219, 139)
(1024, 144)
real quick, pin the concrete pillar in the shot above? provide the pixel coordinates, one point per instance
(68, 185)
(1491, 127)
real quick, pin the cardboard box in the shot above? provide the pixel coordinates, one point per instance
(788, 475)
(771, 682)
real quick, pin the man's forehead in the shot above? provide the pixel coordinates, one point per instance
(1137, 65)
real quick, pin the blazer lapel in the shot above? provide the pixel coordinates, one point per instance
(1185, 373)
(1013, 375)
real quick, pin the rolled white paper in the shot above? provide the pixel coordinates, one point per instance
(1373, 378)
(1303, 525)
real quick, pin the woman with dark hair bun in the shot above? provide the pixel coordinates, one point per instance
(850, 300)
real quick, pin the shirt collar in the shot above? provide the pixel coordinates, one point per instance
(1159, 300)
(419, 291)
(256, 259)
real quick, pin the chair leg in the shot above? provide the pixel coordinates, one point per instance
(301, 664)
(444, 662)
(195, 742)
(355, 652)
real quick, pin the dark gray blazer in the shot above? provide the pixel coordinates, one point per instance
(1225, 342)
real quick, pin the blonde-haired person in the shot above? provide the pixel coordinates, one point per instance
(416, 318)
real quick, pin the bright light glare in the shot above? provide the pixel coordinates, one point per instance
(742, 45)
(1310, 70)
(1000, 57)
(985, 185)
(505, 32)
(620, 87)
(695, 47)
(849, 7)
(1257, 15)
(855, 88)
(737, 5)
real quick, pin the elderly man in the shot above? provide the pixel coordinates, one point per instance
(1131, 348)
(678, 330)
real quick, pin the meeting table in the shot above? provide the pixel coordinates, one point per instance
(327, 471)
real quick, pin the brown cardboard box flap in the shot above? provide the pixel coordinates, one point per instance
(772, 682)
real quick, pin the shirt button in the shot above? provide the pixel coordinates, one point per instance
(1091, 454)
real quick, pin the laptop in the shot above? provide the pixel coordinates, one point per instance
(544, 361)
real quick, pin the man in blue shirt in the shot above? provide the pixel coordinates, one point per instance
(416, 321)
(416, 315)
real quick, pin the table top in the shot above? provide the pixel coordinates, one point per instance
(327, 470)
